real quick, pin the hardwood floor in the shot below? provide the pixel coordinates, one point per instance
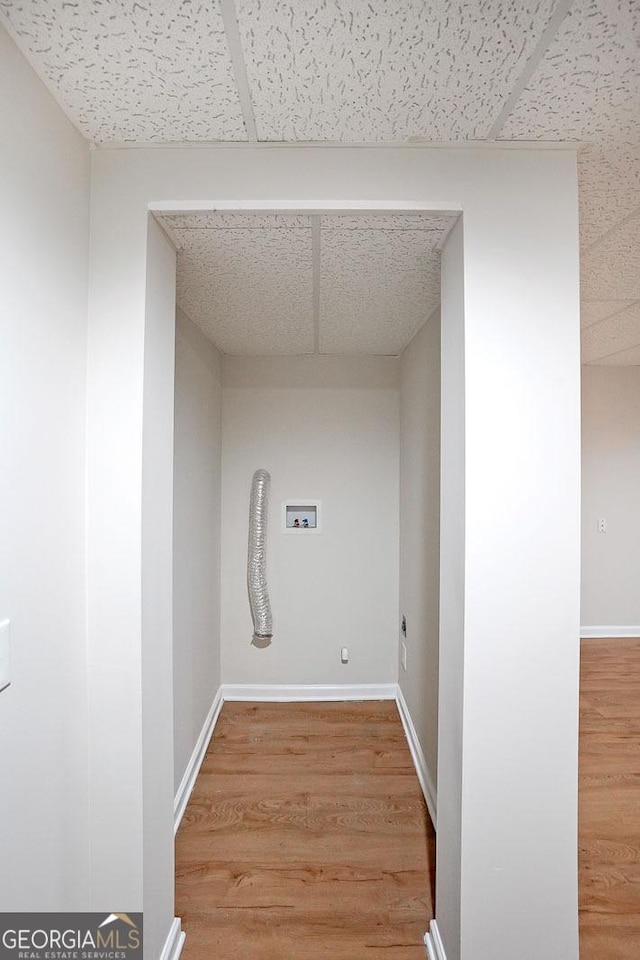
(609, 800)
(306, 837)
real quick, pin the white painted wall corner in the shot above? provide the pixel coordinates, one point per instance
(433, 943)
(419, 759)
(606, 632)
(175, 941)
(195, 762)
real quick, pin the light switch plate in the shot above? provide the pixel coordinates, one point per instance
(5, 654)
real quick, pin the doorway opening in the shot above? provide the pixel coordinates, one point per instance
(307, 343)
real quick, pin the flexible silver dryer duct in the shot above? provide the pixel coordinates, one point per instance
(257, 560)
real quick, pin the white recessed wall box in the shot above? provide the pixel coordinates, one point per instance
(301, 517)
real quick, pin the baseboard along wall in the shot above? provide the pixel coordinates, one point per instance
(175, 941)
(195, 761)
(433, 943)
(418, 757)
(609, 632)
(296, 693)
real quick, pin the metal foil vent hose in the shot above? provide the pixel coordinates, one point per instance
(257, 560)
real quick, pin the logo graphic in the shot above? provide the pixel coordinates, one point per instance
(70, 936)
(119, 916)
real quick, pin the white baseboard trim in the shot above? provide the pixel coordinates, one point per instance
(433, 943)
(418, 757)
(292, 692)
(195, 761)
(175, 941)
(604, 633)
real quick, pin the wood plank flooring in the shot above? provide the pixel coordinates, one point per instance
(306, 837)
(609, 800)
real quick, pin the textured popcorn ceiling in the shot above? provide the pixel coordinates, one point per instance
(365, 71)
(257, 284)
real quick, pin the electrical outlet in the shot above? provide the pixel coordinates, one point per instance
(403, 655)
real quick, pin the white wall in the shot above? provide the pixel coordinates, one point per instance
(521, 582)
(451, 728)
(325, 429)
(521, 572)
(611, 490)
(44, 222)
(420, 532)
(196, 536)
(156, 758)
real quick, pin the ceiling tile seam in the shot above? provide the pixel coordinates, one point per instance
(633, 346)
(610, 316)
(546, 38)
(315, 248)
(617, 226)
(230, 21)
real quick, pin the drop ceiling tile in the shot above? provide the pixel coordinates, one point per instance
(250, 291)
(609, 179)
(611, 269)
(134, 70)
(234, 221)
(620, 332)
(377, 287)
(437, 226)
(627, 358)
(182, 228)
(593, 311)
(384, 221)
(350, 70)
(587, 86)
